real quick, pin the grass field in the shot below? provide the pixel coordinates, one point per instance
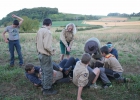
(115, 21)
(126, 39)
(78, 23)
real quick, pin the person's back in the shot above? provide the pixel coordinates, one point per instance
(44, 43)
(111, 68)
(92, 46)
(112, 50)
(112, 63)
(45, 51)
(80, 69)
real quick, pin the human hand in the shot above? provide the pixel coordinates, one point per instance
(54, 73)
(6, 40)
(68, 49)
(14, 16)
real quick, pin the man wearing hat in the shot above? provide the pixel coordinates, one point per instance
(92, 46)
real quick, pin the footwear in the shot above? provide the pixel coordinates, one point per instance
(107, 85)
(11, 66)
(124, 80)
(21, 65)
(67, 70)
(49, 91)
(94, 86)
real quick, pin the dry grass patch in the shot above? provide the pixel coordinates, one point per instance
(113, 19)
(113, 23)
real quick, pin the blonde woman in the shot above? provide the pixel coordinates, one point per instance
(66, 40)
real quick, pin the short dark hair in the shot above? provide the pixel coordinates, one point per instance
(16, 22)
(29, 67)
(104, 49)
(47, 22)
(109, 43)
(85, 58)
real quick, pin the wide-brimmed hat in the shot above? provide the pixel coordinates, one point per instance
(91, 47)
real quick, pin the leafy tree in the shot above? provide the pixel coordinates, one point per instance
(29, 25)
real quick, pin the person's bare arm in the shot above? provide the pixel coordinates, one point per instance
(79, 93)
(4, 37)
(21, 19)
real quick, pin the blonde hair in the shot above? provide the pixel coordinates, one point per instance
(74, 27)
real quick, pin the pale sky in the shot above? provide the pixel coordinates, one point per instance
(88, 7)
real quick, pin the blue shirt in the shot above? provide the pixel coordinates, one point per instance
(114, 52)
(33, 77)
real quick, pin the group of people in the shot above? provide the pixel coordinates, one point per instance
(96, 62)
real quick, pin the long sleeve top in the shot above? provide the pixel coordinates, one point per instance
(66, 37)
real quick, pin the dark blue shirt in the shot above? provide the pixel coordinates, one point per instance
(33, 77)
(114, 52)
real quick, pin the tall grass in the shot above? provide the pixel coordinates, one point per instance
(14, 85)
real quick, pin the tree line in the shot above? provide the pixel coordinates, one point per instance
(124, 14)
(40, 13)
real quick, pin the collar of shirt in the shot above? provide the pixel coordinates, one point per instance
(109, 55)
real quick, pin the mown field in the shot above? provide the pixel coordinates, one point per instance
(115, 21)
(126, 39)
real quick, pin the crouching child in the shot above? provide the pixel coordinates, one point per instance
(111, 68)
(83, 75)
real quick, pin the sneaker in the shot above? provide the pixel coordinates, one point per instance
(109, 85)
(49, 91)
(94, 86)
(126, 80)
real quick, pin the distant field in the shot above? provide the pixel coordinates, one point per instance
(134, 19)
(104, 21)
(119, 19)
(106, 18)
(64, 23)
(111, 23)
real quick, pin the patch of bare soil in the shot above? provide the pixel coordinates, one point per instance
(131, 69)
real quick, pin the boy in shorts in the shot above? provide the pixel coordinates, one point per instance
(84, 75)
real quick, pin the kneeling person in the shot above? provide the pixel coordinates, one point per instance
(111, 67)
(84, 75)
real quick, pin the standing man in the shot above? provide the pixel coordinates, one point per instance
(44, 48)
(13, 40)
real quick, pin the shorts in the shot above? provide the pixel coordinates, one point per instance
(91, 76)
(59, 75)
(63, 48)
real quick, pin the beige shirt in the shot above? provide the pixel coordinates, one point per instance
(44, 41)
(113, 64)
(67, 36)
(80, 74)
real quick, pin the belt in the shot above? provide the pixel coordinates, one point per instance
(13, 40)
